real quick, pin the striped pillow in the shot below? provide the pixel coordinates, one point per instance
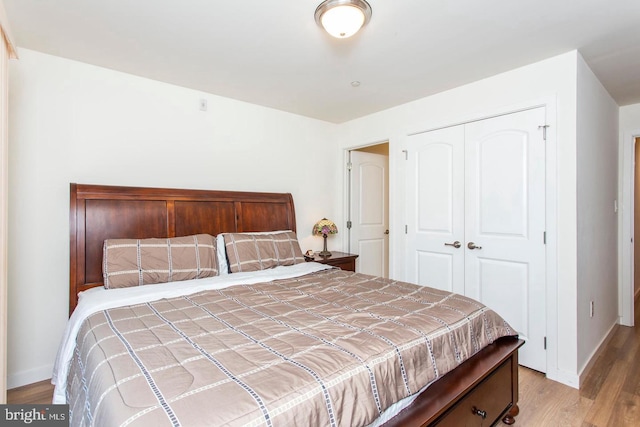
(260, 251)
(131, 262)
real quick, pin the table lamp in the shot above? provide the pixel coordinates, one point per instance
(325, 227)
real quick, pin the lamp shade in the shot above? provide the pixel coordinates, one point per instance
(324, 227)
(343, 18)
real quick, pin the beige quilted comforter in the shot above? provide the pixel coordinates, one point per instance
(328, 348)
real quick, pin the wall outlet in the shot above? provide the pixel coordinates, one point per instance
(591, 304)
(203, 104)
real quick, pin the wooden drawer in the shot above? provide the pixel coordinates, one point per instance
(341, 260)
(349, 265)
(492, 396)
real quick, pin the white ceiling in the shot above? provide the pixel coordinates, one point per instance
(272, 53)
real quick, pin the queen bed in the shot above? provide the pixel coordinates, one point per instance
(250, 334)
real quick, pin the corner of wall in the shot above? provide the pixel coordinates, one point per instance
(597, 122)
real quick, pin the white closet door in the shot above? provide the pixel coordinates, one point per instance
(483, 183)
(435, 191)
(504, 211)
(370, 212)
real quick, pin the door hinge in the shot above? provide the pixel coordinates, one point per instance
(545, 343)
(406, 229)
(544, 131)
(349, 224)
(406, 154)
(544, 238)
(349, 166)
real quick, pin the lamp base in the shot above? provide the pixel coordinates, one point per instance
(325, 253)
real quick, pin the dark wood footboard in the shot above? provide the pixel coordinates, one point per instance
(481, 391)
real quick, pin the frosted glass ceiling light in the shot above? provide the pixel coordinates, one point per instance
(343, 18)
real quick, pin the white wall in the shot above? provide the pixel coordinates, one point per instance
(551, 82)
(72, 122)
(597, 169)
(630, 117)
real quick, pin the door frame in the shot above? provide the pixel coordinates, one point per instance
(626, 229)
(359, 233)
(346, 204)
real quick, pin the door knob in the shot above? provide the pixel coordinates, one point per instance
(386, 231)
(455, 244)
(472, 246)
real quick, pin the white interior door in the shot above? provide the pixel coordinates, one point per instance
(369, 234)
(504, 211)
(483, 184)
(435, 209)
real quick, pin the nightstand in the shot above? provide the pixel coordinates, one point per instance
(342, 260)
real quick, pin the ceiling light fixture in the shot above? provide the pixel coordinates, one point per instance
(343, 18)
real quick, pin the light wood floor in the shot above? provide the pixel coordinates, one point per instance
(610, 395)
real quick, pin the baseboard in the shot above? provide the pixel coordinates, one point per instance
(597, 352)
(30, 376)
(563, 377)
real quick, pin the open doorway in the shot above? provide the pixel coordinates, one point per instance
(368, 208)
(628, 285)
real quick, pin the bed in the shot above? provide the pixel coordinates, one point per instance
(476, 385)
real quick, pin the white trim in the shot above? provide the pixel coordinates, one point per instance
(29, 376)
(570, 379)
(551, 217)
(626, 157)
(4, 196)
(591, 361)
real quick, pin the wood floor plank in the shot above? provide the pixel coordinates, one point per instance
(626, 411)
(603, 407)
(629, 350)
(620, 336)
(632, 381)
(599, 373)
(37, 393)
(548, 403)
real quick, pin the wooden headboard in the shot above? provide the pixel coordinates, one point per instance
(100, 212)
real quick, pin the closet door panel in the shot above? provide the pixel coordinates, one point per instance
(435, 270)
(435, 209)
(501, 180)
(504, 220)
(505, 281)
